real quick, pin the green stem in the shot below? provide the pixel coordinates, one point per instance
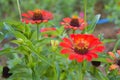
(94, 70)
(73, 31)
(55, 73)
(34, 76)
(81, 76)
(85, 6)
(81, 72)
(116, 45)
(18, 4)
(37, 31)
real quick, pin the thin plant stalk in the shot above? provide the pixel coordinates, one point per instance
(85, 7)
(116, 45)
(82, 70)
(37, 31)
(19, 10)
(81, 76)
(73, 31)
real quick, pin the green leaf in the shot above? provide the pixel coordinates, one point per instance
(1, 69)
(60, 30)
(21, 72)
(16, 25)
(42, 69)
(1, 33)
(33, 35)
(116, 45)
(92, 25)
(101, 60)
(57, 70)
(14, 61)
(102, 76)
(27, 31)
(108, 40)
(42, 41)
(19, 35)
(19, 41)
(5, 51)
(8, 27)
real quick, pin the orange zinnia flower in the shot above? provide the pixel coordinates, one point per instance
(115, 60)
(81, 47)
(74, 23)
(48, 29)
(37, 16)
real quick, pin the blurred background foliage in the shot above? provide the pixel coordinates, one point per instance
(61, 8)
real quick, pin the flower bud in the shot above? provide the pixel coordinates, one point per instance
(54, 43)
(96, 63)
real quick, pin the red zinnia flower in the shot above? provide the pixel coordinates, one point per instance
(81, 47)
(48, 29)
(37, 16)
(74, 23)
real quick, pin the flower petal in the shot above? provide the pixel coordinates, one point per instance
(94, 55)
(79, 58)
(66, 45)
(66, 20)
(88, 57)
(67, 41)
(109, 60)
(72, 56)
(118, 51)
(113, 66)
(112, 54)
(63, 51)
(30, 13)
(98, 49)
(25, 15)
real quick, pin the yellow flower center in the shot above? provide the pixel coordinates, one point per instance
(81, 46)
(37, 15)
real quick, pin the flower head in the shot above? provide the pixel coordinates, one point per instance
(46, 30)
(114, 60)
(37, 16)
(74, 23)
(81, 47)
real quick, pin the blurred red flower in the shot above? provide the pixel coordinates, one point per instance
(37, 16)
(74, 23)
(46, 30)
(81, 47)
